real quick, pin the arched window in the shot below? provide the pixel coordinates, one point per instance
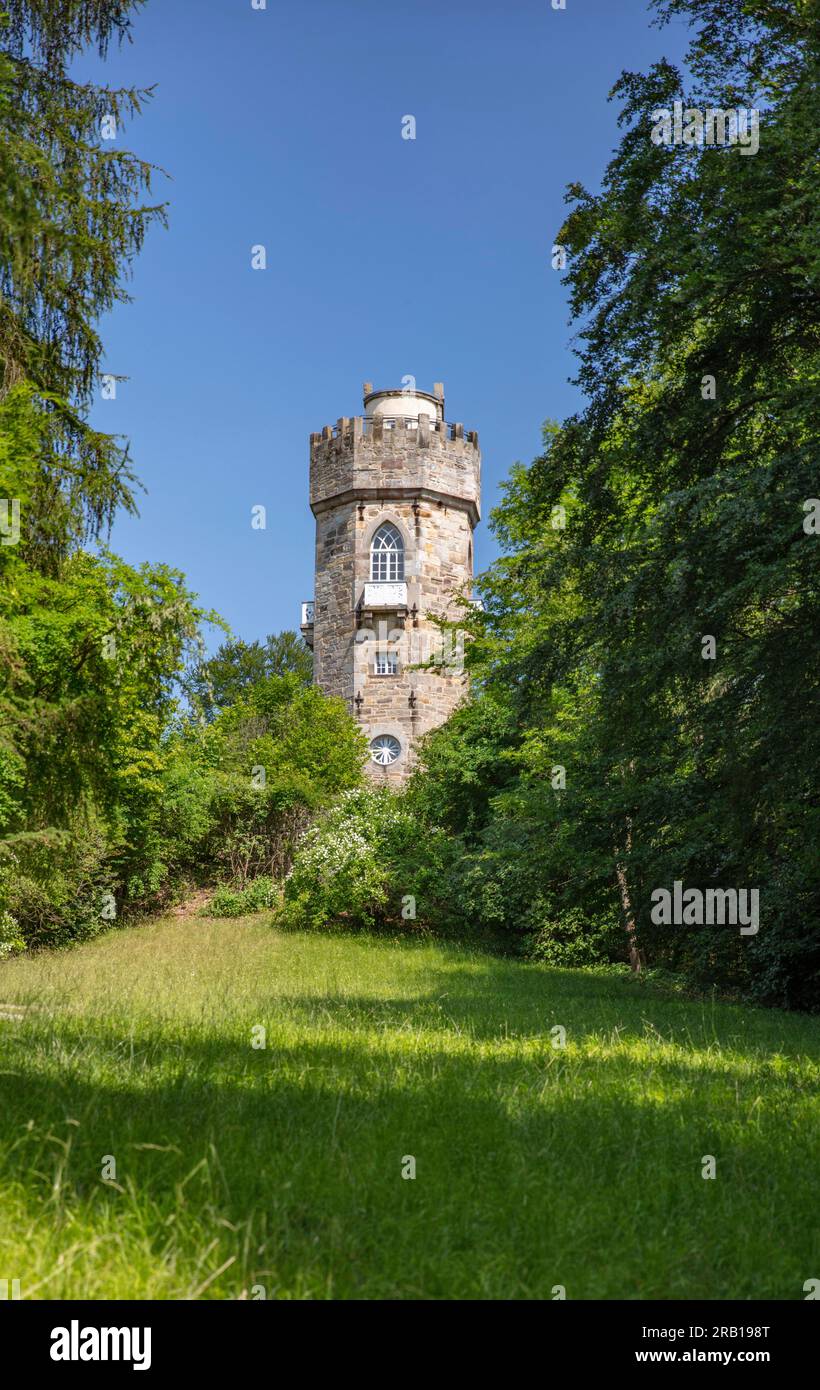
(387, 554)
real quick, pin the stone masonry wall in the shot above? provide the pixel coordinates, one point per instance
(428, 488)
(364, 461)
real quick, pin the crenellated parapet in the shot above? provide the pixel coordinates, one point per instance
(379, 456)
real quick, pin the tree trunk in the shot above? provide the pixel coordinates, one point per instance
(629, 920)
(626, 904)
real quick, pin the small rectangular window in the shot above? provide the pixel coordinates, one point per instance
(387, 664)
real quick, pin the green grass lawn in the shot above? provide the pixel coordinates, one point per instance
(282, 1167)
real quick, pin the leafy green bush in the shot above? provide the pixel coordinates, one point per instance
(239, 791)
(259, 895)
(56, 889)
(569, 939)
(373, 860)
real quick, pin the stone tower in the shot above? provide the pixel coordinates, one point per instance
(395, 494)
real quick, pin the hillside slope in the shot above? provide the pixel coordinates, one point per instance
(279, 1168)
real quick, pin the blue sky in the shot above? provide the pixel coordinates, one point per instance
(385, 257)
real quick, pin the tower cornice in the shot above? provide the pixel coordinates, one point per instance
(376, 495)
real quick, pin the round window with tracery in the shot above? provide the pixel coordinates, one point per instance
(385, 749)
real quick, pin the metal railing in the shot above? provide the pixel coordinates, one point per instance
(410, 422)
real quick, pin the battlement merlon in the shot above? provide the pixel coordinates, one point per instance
(390, 457)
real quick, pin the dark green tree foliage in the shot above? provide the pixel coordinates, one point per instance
(684, 519)
(72, 217)
(237, 666)
(106, 787)
(78, 729)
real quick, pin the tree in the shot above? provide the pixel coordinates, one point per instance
(692, 266)
(658, 644)
(237, 666)
(261, 768)
(71, 222)
(90, 649)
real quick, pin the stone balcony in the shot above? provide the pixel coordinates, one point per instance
(306, 624)
(382, 593)
(380, 597)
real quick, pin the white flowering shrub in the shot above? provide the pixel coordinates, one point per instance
(11, 938)
(344, 867)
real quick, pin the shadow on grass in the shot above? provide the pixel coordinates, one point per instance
(528, 1161)
(488, 998)
(302, 1101)
(529, 988)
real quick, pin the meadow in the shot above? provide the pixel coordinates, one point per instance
(244, 1171)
